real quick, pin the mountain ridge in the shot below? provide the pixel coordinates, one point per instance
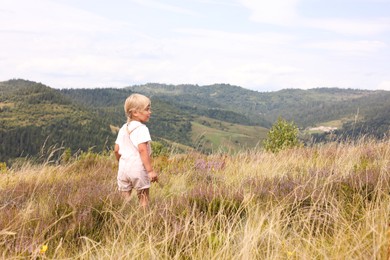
(85, 118)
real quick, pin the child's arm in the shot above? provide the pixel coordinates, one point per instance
(144, 153)
(116, 152)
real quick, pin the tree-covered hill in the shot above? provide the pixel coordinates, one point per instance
(237, 105)
(213, 99)
(375, 122)
(207, 117)
(305, 107)
(171, 119)
(34, 116)
(168, 122)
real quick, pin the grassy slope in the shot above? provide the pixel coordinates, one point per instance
(218, 135)
(326, 202)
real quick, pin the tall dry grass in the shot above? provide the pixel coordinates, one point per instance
(325, 202)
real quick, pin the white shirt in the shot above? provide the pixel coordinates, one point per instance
(129, 137)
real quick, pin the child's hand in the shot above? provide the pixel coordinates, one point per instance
(153, 176)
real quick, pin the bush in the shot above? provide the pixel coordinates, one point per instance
(158, 149)
(282, 135)
(3, 167)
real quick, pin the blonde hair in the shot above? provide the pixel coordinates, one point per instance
(135, 102)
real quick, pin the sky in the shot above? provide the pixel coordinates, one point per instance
(263, 45)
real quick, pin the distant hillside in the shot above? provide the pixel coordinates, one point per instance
(175, 121)
(232, 104)
(34, 115)
(208, 118)
(305, 107)
(209, 100)
(375, 122)
(167, 122)
(214, 135)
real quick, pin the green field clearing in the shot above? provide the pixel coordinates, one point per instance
(213, 134)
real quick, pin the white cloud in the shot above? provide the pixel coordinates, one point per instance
(384, 85)
(286, 13)
(349, 47)
(280, 12)
(363, 27)
(44, 29)
(58, 44)
(164, 7)
(208, 56)
(46, 16)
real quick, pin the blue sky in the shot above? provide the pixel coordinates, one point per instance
(260, 45)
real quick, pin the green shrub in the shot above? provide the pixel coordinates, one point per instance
(3, 167)
(66, 155)
(158, 149)
(282, 135)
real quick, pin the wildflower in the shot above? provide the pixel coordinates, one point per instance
(209, 166)
(43, 249)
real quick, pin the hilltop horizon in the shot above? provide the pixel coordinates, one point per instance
(189, 84)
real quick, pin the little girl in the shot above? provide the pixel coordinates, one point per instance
(132, 150)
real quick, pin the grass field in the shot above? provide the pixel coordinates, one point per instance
(215, 135)
(323, 202)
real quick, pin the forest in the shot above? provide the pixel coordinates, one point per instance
(35, 116)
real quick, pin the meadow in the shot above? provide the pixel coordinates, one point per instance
(330, 201)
